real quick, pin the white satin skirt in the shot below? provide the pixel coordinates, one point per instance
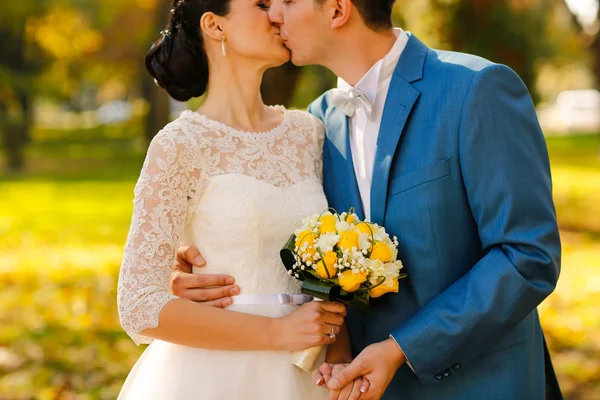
(173, 372)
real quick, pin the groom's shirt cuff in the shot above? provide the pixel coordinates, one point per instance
(407, 360)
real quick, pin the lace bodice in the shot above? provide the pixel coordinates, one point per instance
(236, 195)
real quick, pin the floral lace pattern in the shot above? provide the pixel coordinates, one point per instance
(267, 182)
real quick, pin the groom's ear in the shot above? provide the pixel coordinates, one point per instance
(342, 9)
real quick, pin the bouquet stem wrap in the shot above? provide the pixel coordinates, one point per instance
(307, 359)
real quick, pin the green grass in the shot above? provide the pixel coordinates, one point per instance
(63, 225)
(575, 151)
(62, 229)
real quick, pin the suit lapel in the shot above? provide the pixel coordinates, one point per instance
(401, 98)
(341, 154)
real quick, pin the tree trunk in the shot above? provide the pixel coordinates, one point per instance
(159, 110)
(15, 126)
(13, 138)
(595, 48)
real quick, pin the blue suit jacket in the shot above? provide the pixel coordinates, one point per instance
(462, 178)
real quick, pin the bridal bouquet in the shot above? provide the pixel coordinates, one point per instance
(340, 258)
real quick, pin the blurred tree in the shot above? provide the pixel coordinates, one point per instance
(591, 36)
(512, 32)
(20, 63)
(159, 110)
(45, 47)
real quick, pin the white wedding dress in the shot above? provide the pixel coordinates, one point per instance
(237, 196)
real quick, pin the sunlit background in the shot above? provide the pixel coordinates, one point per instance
(77, 111)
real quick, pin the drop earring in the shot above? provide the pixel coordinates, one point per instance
(223, 46)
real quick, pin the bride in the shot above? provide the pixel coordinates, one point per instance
(236, 177)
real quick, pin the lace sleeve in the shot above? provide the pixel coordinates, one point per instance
(320, 143)
(318, 133)
(168, 180)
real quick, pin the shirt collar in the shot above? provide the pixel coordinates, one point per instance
(381, 70)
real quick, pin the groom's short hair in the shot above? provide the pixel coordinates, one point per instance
(376, 14)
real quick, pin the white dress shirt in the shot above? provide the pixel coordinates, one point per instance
(364, 131)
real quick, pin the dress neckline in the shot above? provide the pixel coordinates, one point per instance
(273, 133)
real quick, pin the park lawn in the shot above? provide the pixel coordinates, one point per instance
(64, 222)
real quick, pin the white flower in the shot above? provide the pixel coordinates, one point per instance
(308, 224)
(376, 267)
(343, 226)
(364, 242)
(397, 265)
(380, 234)
(390, 271)
(327, 241)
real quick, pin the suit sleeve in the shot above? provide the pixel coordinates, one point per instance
(506, 173)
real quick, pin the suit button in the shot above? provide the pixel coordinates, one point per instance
(439, 377)
(456, 366)
(446, 374)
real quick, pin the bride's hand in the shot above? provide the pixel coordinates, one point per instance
(352, 391)
(308, 326)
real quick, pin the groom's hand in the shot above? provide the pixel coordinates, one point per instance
(377, 364)
(212, 290)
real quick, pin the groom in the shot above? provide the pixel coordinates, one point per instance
(443, 149)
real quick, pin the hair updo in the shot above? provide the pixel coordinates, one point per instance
(177, 61)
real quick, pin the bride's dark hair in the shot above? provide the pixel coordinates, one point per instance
(177, 61)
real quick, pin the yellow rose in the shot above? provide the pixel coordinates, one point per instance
(351, 219)
(348, 240)
(350, 281)
(328, 224)
(382, 252)
(384, 288)
(327, 270)
(303, 238)
(365, 227)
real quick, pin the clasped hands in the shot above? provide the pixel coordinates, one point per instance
(366, 377)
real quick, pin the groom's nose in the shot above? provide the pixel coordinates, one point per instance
(276, 12)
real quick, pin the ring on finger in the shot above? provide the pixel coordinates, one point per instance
(332, 333)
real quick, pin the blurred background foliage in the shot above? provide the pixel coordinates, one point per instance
(77, 111)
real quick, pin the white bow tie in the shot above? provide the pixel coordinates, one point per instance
(349, 101)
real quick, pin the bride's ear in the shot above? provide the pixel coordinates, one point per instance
(211, 26)
(341, 11)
